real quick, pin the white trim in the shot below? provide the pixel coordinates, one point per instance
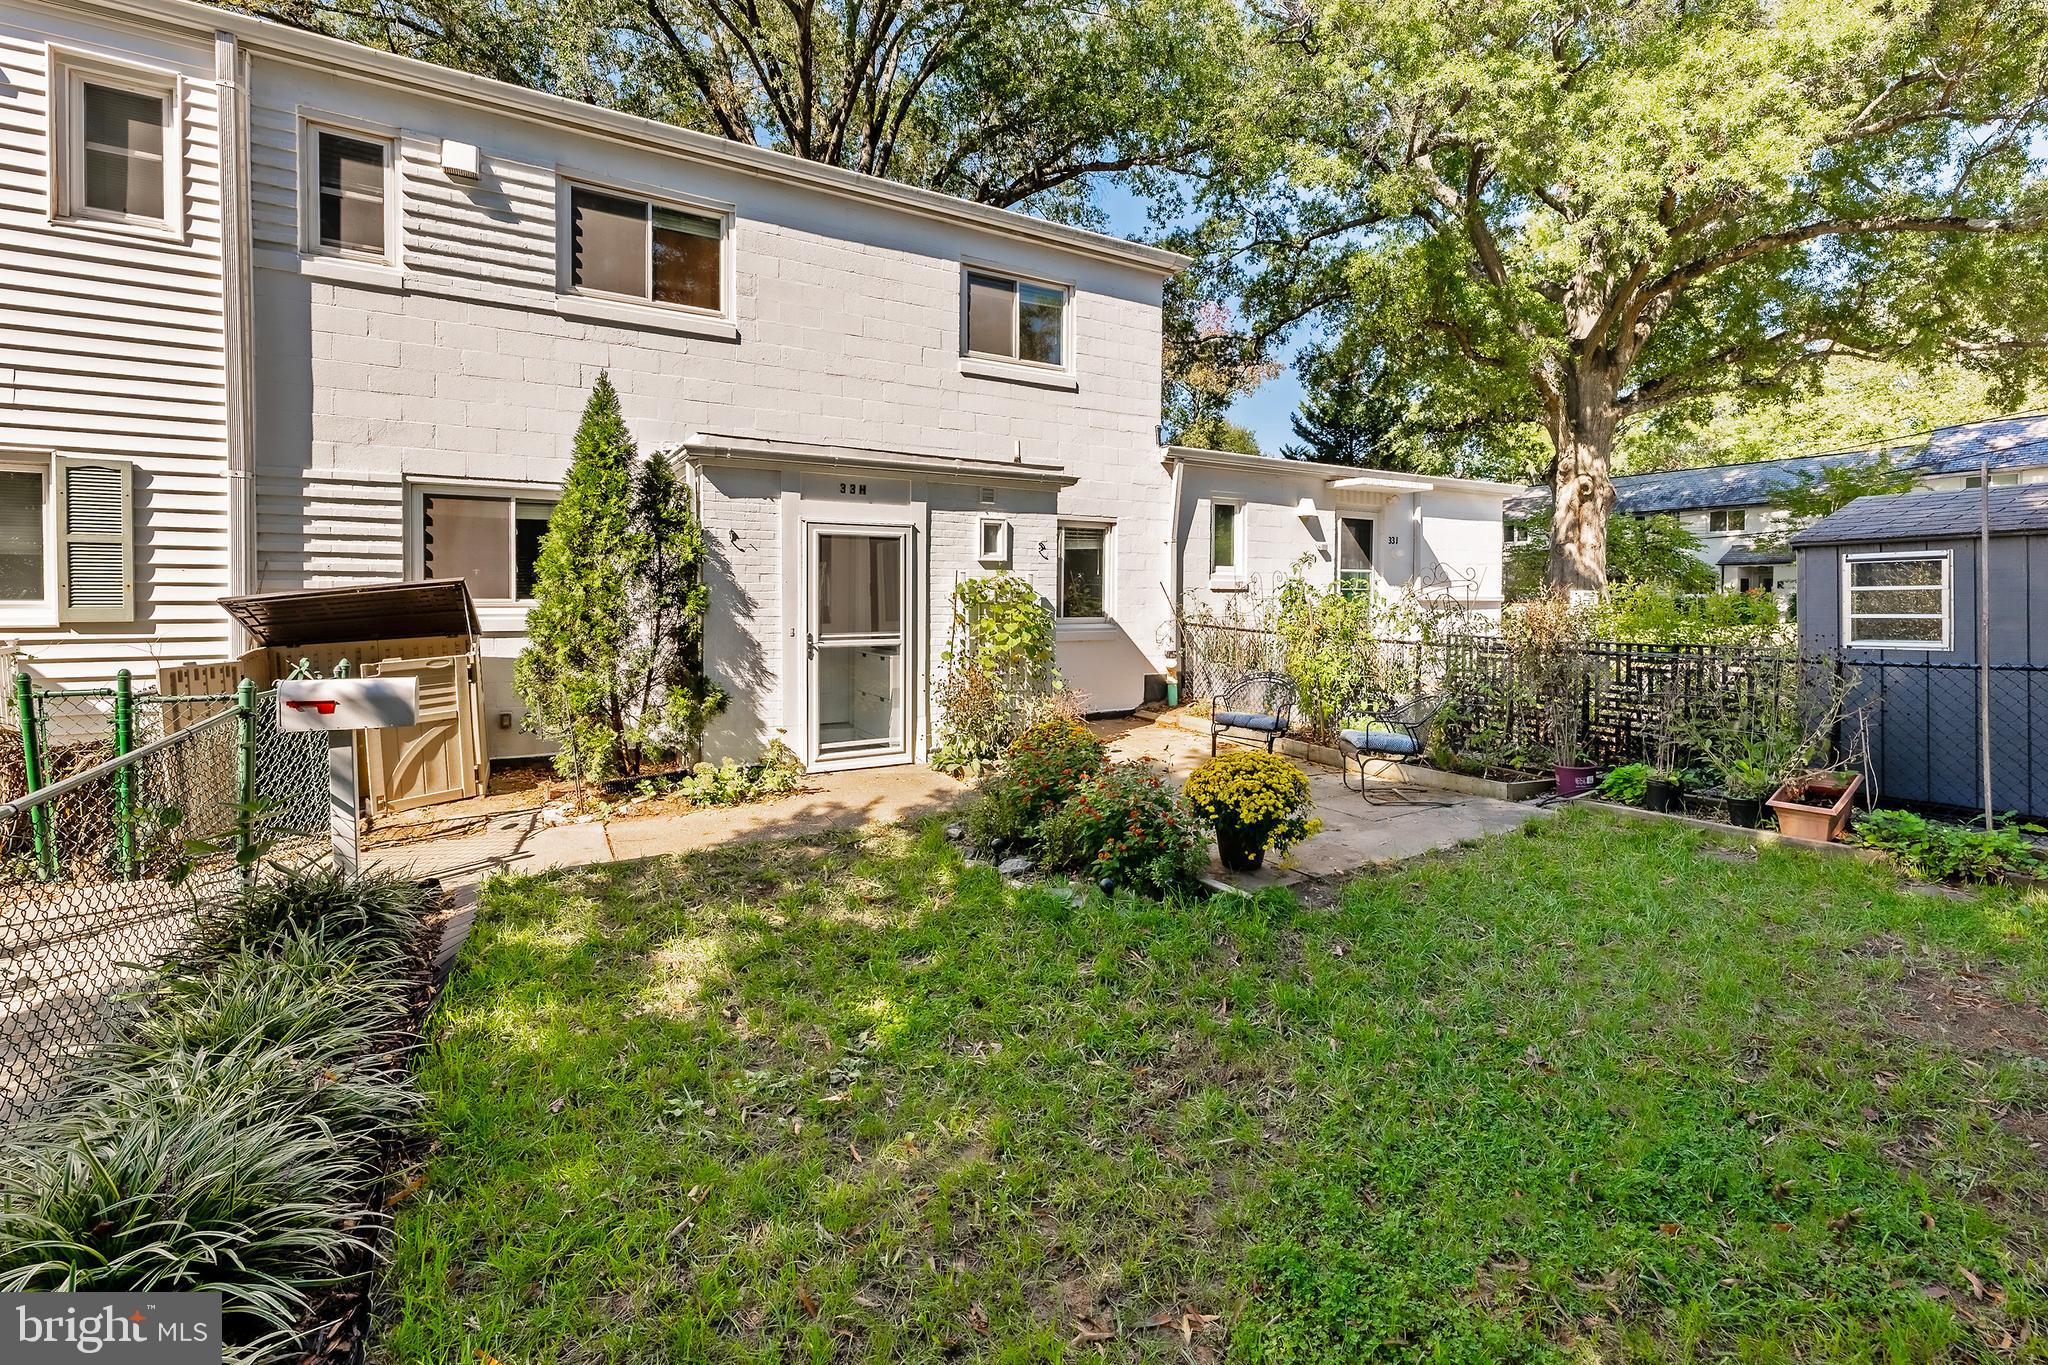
(998, 556)
(568, 180)
(312, 124)
(1014, 365)
(652, 317)
(1059, 563)
(1372, 525)
(1228, 577)
(69, 70)
(42, 611)
(497, 615)
(555, 112)
(1018, 372)
(905, 640)
(1948, 601)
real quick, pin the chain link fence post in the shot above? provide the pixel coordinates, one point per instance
(124, 777)
(245, 775)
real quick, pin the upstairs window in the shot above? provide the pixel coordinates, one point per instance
(1728, 519)
(493, 542)
(351, 193)
(639, 250)
(1010, 319)
(1897, 601)
(116, 159)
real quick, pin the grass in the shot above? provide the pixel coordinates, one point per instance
(1591, 1092)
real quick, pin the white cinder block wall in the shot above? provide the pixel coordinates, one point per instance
(464, 363)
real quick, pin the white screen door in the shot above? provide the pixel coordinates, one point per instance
(858, 659)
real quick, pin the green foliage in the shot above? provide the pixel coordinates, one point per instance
(1255, 800)
(1650, 552)
(1568, 227)
(1817, 493)
(1125, 827)
(1325, 647)
(731, 782)
(1626, 784)
(1049, 761)
(997, 672)
(612, 671)
(1653, 615)
(1351, 417)
(1943, 852)
(234, 1139)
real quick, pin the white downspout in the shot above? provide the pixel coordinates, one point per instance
(1175, 553)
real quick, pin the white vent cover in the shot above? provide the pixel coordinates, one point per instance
(461, 160)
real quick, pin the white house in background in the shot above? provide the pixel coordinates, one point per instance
(284, 312)
(1728, 506)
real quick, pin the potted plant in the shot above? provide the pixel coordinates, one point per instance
(1258, 803)
(1663, 791)
(1744, 785)
(1552, 648)
(1814, 805)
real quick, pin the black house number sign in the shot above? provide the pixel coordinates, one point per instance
(852, 490)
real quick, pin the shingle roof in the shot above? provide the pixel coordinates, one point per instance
(2012, 443)
(1931, 516)
(1739, 555)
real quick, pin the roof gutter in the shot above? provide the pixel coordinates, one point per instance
(709, 447)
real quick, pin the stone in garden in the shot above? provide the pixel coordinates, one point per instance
(956, 832)
(1016, 865)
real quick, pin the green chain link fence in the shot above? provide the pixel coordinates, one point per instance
(123, 810)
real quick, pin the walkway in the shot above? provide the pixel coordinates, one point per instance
(1386, 824)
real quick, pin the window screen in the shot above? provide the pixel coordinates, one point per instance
(686, 259)
(21, 536)
(1083, 565)
(124, 151)
(470, 538)
(1041, 323)
(351, 193)
(608, 247)
(991, 316)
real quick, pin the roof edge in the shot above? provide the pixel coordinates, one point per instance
(1231, 459)
(358, 61)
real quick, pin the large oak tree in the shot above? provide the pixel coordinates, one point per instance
(1576, 214)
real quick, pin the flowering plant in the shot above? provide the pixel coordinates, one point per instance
(1257, 802)
(1048, 761)
(1125, 826)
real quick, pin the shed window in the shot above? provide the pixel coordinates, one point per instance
(640, 250)
(1897, 601)
(493, 542)
(1084, 572)
(1016, 320)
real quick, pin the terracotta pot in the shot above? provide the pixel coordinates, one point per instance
(1240, 849)
(1816, 824)
(1661, 794)
(1574, 779)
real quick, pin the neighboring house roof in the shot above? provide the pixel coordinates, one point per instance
(1337, 475)
(1741, 556)
(1931, 516)
(554, 111)
(2015, 442)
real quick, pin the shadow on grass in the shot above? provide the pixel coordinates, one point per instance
(1579, 1090)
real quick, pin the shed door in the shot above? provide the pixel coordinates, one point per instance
(435, 760)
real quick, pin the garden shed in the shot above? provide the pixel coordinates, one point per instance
(1889, 587)
(425, 629)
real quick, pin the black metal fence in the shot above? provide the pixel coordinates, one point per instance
(1913, 724)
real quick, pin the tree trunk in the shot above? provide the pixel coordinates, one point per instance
(1582, 489)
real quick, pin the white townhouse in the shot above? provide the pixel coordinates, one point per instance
(284, 312)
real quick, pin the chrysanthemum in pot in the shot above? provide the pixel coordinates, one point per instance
(1257, 803)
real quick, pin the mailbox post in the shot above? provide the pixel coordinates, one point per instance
(339, 707)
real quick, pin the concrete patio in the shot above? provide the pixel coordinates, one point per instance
(1391, 822)
(1385, 824)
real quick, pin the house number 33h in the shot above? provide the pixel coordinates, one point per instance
(853, 490)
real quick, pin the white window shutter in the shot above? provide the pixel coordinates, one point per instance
(95, 540)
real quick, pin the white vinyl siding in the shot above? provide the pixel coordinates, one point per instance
(1897, 600)
(115, 355)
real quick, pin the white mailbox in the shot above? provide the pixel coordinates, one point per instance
(347, 703)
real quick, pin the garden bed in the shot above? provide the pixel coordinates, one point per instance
(1424, 775)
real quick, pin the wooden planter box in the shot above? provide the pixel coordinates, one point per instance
(1423, 775)
(1811, 823)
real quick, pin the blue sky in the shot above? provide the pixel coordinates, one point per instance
(1267, 409)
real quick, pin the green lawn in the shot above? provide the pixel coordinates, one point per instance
(1593, 1092)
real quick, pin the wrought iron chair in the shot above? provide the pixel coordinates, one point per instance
(1259, 703)
(1397, 731)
